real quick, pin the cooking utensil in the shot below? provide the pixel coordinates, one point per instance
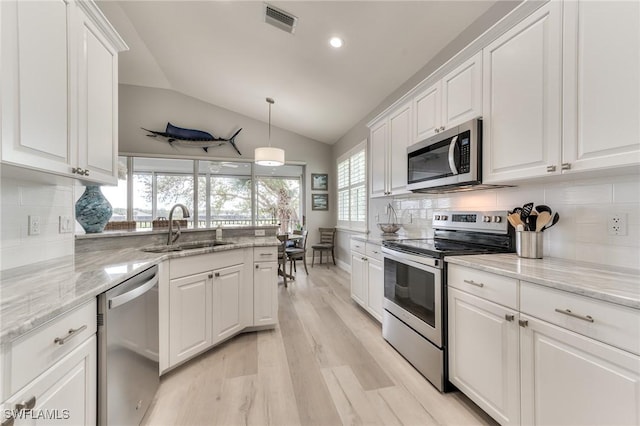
(516, 210)
(532, 220)
(543, 220)
(556, 218)
(542, 208)
(514, 219)
(526, 211)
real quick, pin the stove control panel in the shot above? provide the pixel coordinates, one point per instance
(481, 221)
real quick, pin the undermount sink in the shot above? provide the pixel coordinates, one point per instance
(184, 246)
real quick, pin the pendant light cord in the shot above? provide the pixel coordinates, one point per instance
(270, 101)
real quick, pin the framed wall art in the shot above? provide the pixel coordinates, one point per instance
(319, 181)
(319, 201)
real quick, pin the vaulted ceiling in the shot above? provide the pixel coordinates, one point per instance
(222, 52)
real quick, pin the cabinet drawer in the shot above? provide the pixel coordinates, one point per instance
(358, 246)
(198, 263)
(36, 351)
(606, 322)
(265, 254)
(496, 288)
(373, 251)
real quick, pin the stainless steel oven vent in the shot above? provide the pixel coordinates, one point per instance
(279, 18)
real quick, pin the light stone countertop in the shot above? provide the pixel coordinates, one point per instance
(602, 282)
(377, 238)
(32, 295)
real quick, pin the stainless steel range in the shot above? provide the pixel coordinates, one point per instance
(415, 284)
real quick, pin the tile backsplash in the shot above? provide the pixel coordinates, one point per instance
(584, 207)
(20, 199)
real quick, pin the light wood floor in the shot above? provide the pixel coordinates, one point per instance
(326, 364)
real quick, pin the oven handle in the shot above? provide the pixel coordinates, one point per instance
(420, 262)
(452, 160)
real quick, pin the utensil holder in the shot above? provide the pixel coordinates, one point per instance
(529, 244)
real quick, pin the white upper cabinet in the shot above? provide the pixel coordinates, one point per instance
(454, 99)
(522, 99)
(59, 89)
(601, 44)
(35, 87)
(389, 139)
(97, 105)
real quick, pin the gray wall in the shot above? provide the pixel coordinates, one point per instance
(152, 108)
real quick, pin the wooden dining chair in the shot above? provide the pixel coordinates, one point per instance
(282, 257)
(326, 244)
(298, 253)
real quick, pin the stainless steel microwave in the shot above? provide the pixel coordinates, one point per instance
(448, 160)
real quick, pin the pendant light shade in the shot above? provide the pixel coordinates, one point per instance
(267, 155)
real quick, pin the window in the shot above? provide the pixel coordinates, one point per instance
(352, 188)
(216, 192)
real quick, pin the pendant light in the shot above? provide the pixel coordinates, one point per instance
(267, 155)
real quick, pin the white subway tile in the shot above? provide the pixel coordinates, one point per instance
(626, 192)
(579, 194)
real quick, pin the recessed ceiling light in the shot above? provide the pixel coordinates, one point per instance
(336, 42)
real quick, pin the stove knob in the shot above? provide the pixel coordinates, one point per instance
(497, 219)
(486, 218)
(437, 217)
(444, 217)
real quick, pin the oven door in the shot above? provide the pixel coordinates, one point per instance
(413, 292)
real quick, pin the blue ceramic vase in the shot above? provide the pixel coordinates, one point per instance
(93, 210)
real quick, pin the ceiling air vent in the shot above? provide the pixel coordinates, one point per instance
(279, 18)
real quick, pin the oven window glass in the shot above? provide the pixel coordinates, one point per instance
(431, 162)
(411, 288)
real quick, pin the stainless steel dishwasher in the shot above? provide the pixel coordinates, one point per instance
(128, 369)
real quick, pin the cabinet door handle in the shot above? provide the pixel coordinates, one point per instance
(210, 275)
(587, 318)
(472, 282)
(551, 169)
(509, 317)
(437, 130)
(523, 323)
(566, 166)
(266, 254)
(27, 405)
(86, 172)
(217, 274)
(257, 266)
(72, 332)
(442, 128)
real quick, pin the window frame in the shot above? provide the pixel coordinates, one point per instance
(350, 223)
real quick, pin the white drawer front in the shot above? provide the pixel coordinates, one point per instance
(374, 251)
(198, 263)
(36, 351)
(358, 246)
(496, 288)
(614, 324)
(265, 254)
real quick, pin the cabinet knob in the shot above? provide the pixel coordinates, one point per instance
(442, 128)
(257, 266)
(86, 172)
(566, 166)
(551, 169)
(509, 317)
(210, 275)
(437, 130)
(217, 274)
(523, 323)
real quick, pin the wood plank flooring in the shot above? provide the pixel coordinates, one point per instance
(325, 364)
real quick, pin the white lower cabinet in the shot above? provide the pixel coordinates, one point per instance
(229, 301)
(64, 394)
(208, 298)
(525, 370)
(265, 287)
(367, 278)
(571, 379)
(52, 371)
(483, 354)
(190, 308)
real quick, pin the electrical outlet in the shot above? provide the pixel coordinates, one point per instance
(617, 224)
(34, 225)
(260, 233)
(64, 224)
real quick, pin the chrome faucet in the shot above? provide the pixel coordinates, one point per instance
(185, 214)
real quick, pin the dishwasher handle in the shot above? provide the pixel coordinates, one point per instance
(114, 302)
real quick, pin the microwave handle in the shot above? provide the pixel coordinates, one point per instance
(452, 161)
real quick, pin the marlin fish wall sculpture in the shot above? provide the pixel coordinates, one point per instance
(193, 138)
